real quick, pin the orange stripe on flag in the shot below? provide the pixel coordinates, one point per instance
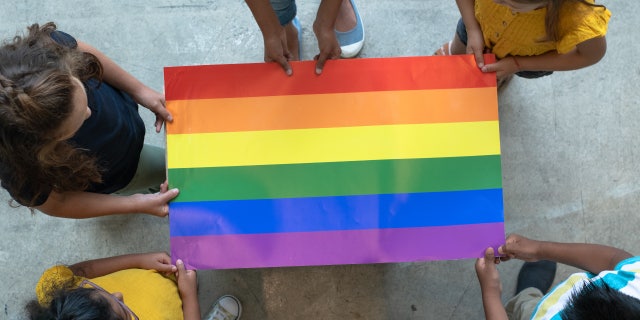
(332, 110)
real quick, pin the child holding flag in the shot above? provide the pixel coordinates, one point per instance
(609, 289)
(71, 135)
(98, 289)
(530, 38)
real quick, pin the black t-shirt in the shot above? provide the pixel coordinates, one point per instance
(114, 133)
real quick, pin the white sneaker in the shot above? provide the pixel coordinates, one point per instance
(227, 307)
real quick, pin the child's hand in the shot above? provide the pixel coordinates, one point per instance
(156, 204)
(276, 50)
(503, 68)
(327, 43)
(187, 281)
(159, 261)
(490, 286)
(487, 273)
(475, 46)
(155, 102)
(519, 247)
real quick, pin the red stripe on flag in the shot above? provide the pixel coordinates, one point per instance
(358, 75)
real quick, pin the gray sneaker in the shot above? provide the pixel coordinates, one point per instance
(227, 307)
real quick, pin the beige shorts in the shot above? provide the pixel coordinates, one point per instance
(151, 172)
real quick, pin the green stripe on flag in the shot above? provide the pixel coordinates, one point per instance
(337, 178)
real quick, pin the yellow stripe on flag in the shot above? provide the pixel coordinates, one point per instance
(333, 144)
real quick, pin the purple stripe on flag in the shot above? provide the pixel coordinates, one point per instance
(337, 247)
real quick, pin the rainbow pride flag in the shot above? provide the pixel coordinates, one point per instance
(376, 160)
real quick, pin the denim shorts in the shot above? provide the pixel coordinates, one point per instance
(461, 31)
(285, 10)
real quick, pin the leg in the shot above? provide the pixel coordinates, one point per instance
(456, 46)
(293, 39)
(349, 29)
(150, 174)
(523, 304)
(286, 11)
(346, 19)
(534, 280)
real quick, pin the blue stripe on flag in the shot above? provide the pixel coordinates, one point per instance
(336, 213)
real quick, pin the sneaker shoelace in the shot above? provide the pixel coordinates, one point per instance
(220, 313)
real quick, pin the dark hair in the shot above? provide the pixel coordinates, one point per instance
(35, 99)
(600, 301)
(552, 19)
(73, 304)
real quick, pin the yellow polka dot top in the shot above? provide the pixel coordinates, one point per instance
(508, 33)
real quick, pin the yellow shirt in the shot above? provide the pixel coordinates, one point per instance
(522, 34)
(146, 292)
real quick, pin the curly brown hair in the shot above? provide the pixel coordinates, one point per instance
(35, 99)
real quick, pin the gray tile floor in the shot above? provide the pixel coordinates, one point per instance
(570, 150)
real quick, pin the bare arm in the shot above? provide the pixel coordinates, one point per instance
(594, 258)
(490, 286)
(475, 38)
(467, 11)
(80, 205)
(585, 54)
(188, 288)
(121, 79)
(159, 261)
(273, 34)
(324, 27)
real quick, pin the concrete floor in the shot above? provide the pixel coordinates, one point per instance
(570, 150)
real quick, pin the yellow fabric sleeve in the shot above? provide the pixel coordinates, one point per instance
(509, 33)
(579, 23)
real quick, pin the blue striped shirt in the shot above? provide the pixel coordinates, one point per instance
(625, 277)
